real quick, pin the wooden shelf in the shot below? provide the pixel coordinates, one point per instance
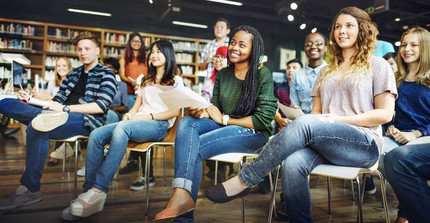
(20, 36)
(63, 40)
(122, 45)
(61, 54)
(9, 50)
(32, 66)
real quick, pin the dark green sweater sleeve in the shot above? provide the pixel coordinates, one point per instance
(265, 106)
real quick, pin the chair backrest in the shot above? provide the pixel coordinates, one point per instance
(171, 133)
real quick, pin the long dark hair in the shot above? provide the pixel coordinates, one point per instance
(249, 85)
(141, 56)
(170, 68)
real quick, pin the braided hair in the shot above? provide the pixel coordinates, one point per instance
(249, 85)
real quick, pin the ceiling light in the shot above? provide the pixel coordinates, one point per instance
(303, 26)
(397, 43)
(190, 24)
(150, 1)
(294, 6)
(314, 30)
(290, 18)
(397, 19)
(226, 2)
(90, 12)
(405, 27)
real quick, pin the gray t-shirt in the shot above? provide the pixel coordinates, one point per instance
(349, 98)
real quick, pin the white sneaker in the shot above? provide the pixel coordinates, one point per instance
(49, 120)
(88, 203)
(81, 172)
(59, 152)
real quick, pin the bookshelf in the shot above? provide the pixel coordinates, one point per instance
(43, 43)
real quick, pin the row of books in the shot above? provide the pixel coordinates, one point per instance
(113, 51)
(17, 29)
(187, 69)
(64, 33)
(60, 47)
(116, 38)
(16, 44)
(184, 57)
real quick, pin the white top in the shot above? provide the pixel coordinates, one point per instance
(52, 89)
(152, 103)
(346, 99)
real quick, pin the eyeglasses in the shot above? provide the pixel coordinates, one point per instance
(310, 44)
(219, 57)
(136, 41)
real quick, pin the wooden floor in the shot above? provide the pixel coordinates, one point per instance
(123, 205)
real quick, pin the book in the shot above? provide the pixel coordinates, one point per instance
(38, 102)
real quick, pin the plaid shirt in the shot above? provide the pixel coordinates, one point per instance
(211, 47)
(101, 88)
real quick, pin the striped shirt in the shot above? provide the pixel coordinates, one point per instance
(101, 87)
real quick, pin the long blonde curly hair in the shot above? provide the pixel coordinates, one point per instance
(423, 71)
(365, 46)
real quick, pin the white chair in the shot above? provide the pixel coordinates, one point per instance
(76, 140)
(347, 173)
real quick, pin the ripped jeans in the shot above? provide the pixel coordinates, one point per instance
(200, 139)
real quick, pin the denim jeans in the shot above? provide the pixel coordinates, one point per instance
(200, 139)
(302, 145)
(37, 146)
(99, 173)
(407, 168)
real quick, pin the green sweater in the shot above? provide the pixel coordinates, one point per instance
(228, 91)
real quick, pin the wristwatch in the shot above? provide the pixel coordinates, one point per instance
(225, 119)
(66, 108)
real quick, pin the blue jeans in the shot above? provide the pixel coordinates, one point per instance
(200, 139)
(302, 145)
(407, 168)
(37, 146)
(99, 173)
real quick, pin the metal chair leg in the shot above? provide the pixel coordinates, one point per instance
(164, 165)
(360, 201)
(216, 172)
(242, 198)
(383, 184)
(329, 195)
(272, 207)
(353, 190)
(76, 167)
(148, 160)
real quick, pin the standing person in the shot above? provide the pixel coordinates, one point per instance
(353, 96)
(282, 92)
(391, 59)
(221, 30)
(147, 121)
(78, 107)
(132, 64)
(304, 79)
(238, 120)
(412, 118)
(407, 169)
(62, 67)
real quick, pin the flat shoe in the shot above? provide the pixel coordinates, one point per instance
(217, 194)
(52, 163)
(171, 213)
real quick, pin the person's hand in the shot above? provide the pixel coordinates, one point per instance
(283, 122)
(214, 114)
(391, 131)
(23, 95)
(404, 137)
(126, 116)
(198, 113)
(53, 105)
(209, 57)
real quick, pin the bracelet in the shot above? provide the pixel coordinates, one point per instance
(152, 116)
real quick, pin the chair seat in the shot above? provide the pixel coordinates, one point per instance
(71, 139)
(142, 147)
(232, 157)
(341, 172)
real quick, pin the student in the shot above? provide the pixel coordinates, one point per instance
(353, 96)
(78, 107)
(391, 59)
(407, 169)
(238, 121)
(119, 105)
(412, 118)
(219, 61)
(282, 92)
(148, 120)
(221, 30)
(304, 79)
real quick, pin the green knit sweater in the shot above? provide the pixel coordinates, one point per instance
(228, 91)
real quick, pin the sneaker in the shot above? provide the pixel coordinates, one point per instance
(369, 187)
(67, 216)
(21, 197)
(59, 152)
(130, 167)
(140, 183)
(49, 120)
(81, 172)
(88, 203)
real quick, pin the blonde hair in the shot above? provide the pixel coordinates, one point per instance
(57, 75)
(423, 71)
(365, 46)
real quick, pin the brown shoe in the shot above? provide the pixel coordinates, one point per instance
(173, 212)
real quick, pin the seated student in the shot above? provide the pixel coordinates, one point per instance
(407, 169)
(391, 59)
(353, 96)
(238, 121)
(148, 120)
(77, 108)
(119, 105)
(282, 92)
